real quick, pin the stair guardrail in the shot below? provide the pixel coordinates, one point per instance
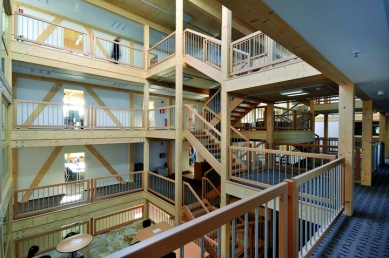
(203, 48)
(162, 50)
(192, 201)
(161, 186)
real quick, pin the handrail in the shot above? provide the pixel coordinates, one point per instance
(155, 191)
(195, 195)
(245, 38)
(78, 48)
(304, 154)
(162, 40)
(162, 108)
(51, 22)
(214, 95)
(204, 36)
(203, 120)
(213, 186)
(176, 237)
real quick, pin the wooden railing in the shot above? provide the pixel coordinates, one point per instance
(162, 118)
(117, 219)
(112, 186)
(43, 199)
(203, 48)
(40, 114)
(161, 186)
(131, 56)
(190, 198)
(274, 166)
(316, 201)
(158, 215)
(162, 50)
(258, 115)
(213, 221)
(112, 117)
(292, 119)
(48, 241)
(254, 52)
(50, 34)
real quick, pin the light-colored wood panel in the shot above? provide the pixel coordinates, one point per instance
(239, 190)
(161, 134)
(162, 204)
(166, 66)
(288, 72)
(74, 142)
(346, 141)
(42, 172)
(367, 138)
(204, 68)
(24, 135)
(104, 162)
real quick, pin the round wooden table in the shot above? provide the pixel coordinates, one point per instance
(74, 243)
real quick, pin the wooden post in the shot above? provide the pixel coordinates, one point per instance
(346, 141)
(270, 132)
(293, 218)
(169, 157)
(367, 133)
(178, 111)
(146, 100)
(312, 110)
(386, 153)
(225, 122)
(382, 126)
(146, 163)
(131, 146)
(146, 44)
(325, 140)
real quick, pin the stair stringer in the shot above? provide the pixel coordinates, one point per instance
(204, 68)
(215, 164)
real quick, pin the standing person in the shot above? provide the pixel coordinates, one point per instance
(116, 50)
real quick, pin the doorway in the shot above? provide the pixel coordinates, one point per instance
(74, 110)
(74, 168)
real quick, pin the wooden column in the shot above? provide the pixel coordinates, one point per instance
(146, 100)
(225, 123)
(325, 142)
(312, 110)
(382, 135)
(178, 111)
(131, 146)
(169, 157)
(146, 44)
(146, 168)
(270, 131)
(346, 141)
(386, 154)
(367, 135)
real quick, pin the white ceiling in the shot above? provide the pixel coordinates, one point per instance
(89, 14)
(337, 28)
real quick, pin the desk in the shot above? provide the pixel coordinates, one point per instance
(191, 250)
(74, 243)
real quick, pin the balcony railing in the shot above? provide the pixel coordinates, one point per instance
(113, 118)
(50, 34)
(203, 48)
(162, 118)
(103, 49)
(39, 200)
(40, 114)
(161, 186)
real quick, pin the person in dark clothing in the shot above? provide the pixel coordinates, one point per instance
(116, 50)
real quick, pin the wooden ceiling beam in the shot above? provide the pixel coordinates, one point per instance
(128, 15)
(263, 18)
(185, 88)
(215, 9)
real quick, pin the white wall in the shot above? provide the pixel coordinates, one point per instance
(333, 129)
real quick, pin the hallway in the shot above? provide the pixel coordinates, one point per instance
(366, 233)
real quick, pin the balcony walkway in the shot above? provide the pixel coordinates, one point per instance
(366, 233)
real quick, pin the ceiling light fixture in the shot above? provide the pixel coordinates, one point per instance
(293, 92)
